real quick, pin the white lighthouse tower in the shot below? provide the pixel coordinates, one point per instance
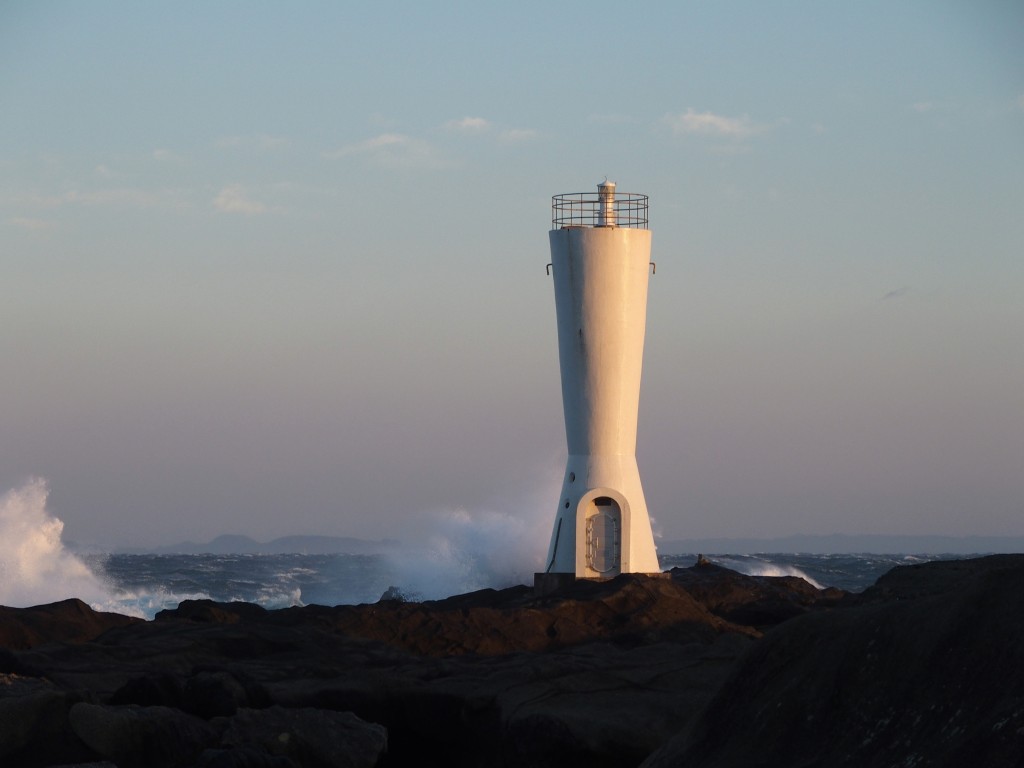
(600, 261)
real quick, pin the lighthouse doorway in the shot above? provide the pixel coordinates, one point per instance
(604, 536)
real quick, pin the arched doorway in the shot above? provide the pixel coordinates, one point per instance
(604, 536)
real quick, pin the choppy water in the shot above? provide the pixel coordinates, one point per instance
(145, 584)
(36, 567)
(148, 583)
(854, 573)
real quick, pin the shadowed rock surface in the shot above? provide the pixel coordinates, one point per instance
(67, 621)
(926, 668)
(700, 666)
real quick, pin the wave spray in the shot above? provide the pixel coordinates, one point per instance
(35, 568)
(467, 551)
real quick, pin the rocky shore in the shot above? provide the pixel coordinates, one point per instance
(699, 667)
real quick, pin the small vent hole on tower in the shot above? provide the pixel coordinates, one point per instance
(572, 477)
(566, 503)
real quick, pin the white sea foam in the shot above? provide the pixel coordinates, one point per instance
(272, 599)
(753, 567)
(35, 568)
(146, 603)
(468, 551)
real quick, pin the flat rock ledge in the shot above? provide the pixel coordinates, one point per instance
(699, 666)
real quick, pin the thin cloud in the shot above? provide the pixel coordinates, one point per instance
(922, 106)
(371, 145)
(469, 125)
(235, 199)
(709, 124)
(395, 150)
(482, 126)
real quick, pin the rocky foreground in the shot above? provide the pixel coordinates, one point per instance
(701, 667)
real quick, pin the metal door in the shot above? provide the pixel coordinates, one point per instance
(604, 537)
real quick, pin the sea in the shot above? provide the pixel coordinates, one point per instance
(470, 553)
(141, 585)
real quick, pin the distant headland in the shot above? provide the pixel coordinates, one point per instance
(236, 544)
(842, 544)
(837, 543)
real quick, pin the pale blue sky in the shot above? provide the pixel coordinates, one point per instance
(278, 268)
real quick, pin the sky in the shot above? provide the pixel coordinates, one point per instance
(274, 269)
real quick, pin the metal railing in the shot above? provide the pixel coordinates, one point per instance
(587, 209)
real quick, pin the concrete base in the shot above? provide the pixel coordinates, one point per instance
(553, 583)
(550, 583)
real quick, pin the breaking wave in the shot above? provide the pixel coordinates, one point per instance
(754, 566)
(35, 568)
(469, 551)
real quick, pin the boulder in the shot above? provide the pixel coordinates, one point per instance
(159, 689)
(312, 738)
(213, 693)
(147, 737)
(34, 727)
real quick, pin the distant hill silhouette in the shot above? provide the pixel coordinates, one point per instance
(235, 544)
(839, 544)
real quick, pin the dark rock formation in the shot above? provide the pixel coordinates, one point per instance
(926, 668)
(701, 666)
(70, 621)
(756, 601)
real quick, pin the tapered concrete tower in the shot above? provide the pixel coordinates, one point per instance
(600, 261)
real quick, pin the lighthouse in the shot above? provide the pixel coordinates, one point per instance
(600, 264)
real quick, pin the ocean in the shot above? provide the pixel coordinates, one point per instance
(141, 585)
(469, 553)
